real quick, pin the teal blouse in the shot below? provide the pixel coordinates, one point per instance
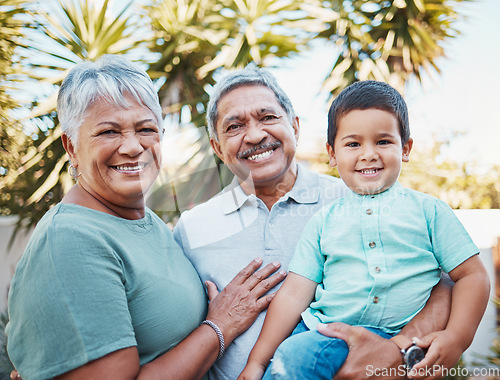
(90, 283)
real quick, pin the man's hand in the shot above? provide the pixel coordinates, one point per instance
(370, 356)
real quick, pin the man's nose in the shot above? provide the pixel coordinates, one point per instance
(254, 133)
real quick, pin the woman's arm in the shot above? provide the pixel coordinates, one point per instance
(233, 310)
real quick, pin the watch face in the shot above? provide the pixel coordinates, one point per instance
(413, 355)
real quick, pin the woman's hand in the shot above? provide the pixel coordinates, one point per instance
(237, 306)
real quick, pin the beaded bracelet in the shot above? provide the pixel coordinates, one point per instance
(216, 328)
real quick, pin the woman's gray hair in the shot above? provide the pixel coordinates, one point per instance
(244, 77)
(109, 78)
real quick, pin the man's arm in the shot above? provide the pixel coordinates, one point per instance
(372, 356)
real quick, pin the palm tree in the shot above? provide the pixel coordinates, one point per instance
(186, 44)
(194, 39)
(66, 33)
(386, 40)
(12, 139)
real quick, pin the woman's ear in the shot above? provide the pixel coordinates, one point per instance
(331, 154)
(70, 149)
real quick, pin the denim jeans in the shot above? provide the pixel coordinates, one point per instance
(308, 354)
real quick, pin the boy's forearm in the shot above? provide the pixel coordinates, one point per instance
(282, 316)
(436, 312)
(469, 300)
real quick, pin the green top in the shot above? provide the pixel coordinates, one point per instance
(90, 283)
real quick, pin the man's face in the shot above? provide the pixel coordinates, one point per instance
(256, 138)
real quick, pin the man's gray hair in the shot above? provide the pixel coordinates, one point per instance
(109, 78)
(244, 77)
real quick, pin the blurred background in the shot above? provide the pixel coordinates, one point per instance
(441, 55)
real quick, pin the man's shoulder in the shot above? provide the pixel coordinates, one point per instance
(331, 188)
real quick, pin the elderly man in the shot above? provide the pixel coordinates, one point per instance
(254, 130)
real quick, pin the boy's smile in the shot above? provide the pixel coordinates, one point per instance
(368, 150)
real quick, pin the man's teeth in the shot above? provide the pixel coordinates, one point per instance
(261, 155)
(369, 171)
(130, 168)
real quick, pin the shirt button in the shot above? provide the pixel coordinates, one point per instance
(376, 299)
(377, 269)
(369, 211)
(372, 244)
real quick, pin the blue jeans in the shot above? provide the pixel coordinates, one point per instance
(308, 354)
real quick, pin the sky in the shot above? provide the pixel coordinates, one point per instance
(461, 103)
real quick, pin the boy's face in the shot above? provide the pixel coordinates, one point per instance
(367, 150)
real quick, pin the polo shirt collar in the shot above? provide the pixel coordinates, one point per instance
(305, 190)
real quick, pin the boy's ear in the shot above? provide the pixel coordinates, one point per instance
(331, 154)
(407, 149)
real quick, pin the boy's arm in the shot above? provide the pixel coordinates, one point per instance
(371, 355)
(469, 299)
(283, 314)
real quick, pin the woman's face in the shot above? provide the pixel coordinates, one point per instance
(118, 152)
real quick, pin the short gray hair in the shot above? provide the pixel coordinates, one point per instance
(109, 78)
(244, 77)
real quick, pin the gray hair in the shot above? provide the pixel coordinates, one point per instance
(245, 77)
(108, 78)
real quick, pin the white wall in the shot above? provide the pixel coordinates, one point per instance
(9, 258)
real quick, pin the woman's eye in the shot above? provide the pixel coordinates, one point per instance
(148, 130)
(107, 132)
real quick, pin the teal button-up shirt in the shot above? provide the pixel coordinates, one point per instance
(377, 257)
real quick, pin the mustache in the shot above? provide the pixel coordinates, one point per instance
(255, 148)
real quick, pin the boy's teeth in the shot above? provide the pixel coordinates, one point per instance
(261, 155)
(369, 171)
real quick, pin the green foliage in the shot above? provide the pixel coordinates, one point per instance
(458, 184)
(185, 44)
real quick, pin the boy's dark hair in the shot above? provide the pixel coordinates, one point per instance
(365, 95)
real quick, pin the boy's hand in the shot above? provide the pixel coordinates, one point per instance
(444, 351)
(252, 371)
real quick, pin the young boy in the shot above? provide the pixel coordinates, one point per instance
(372, 258)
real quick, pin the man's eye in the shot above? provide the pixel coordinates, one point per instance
(269, 117)
(233, 127)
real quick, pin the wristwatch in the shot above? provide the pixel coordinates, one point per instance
(412, 354)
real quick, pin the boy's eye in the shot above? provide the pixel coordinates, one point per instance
(352, 144)
(384, 142)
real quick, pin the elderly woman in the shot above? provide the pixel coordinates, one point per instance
(102, 290)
